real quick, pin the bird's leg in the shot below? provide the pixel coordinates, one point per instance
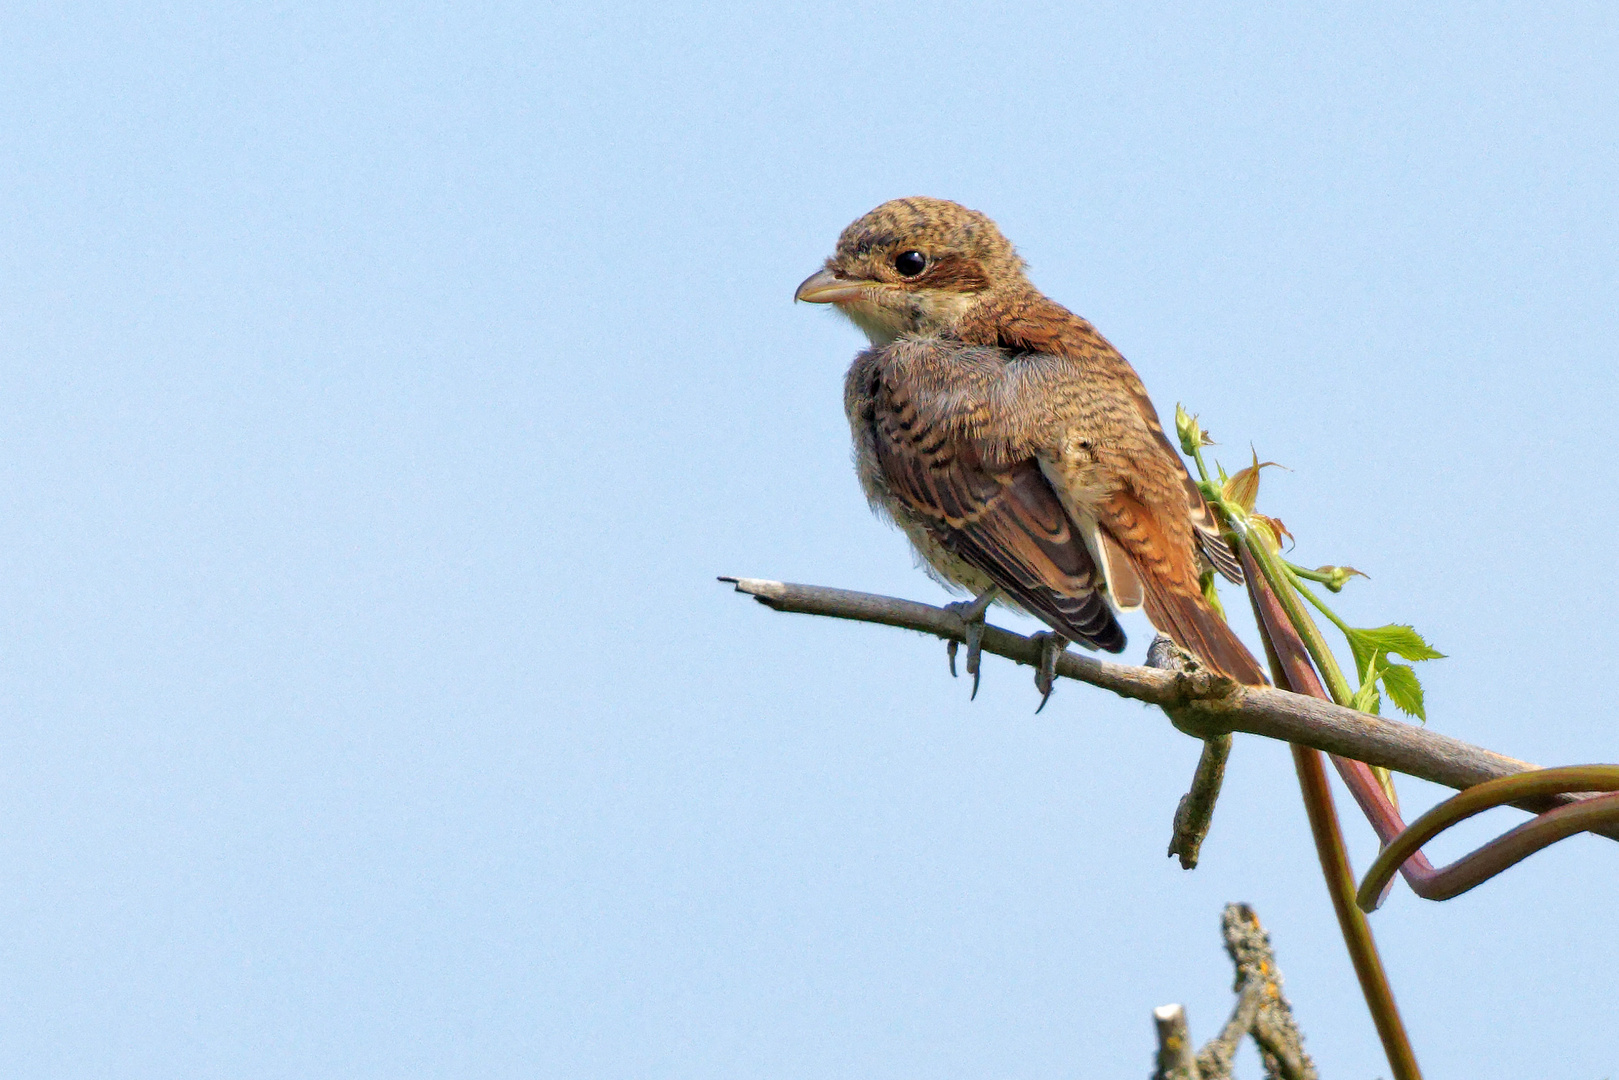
(1051, 647)
(971, 612)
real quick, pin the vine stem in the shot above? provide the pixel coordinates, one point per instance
(1289, 654)
(1504, 851)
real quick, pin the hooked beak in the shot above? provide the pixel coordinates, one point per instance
(825, 287)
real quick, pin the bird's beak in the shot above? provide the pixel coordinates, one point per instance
(825, 287)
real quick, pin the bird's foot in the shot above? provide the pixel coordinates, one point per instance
(971, 613)
(1045, 676)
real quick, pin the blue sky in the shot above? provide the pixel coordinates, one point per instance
(384, 387)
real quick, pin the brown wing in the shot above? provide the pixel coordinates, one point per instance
(1154, 513)
(1048, 327)
(1004, 521)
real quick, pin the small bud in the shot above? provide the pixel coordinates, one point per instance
(1338, 576)
(1191, 433)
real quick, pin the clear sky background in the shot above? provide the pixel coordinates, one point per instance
(383, 386)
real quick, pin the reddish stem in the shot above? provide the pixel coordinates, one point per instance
(1291, 668)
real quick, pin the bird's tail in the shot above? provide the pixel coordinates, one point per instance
(1199, 629)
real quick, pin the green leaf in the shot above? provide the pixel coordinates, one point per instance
(1395, 638)
(1400, 640)
(1399, 681)
(1405, 690)
(1364, 651)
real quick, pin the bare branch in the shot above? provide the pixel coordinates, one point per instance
(1176, 1059)
(1262, 1010)
(1281, 1046)
(1194, 814)
(1198, 702)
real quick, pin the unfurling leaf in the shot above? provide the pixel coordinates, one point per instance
(1366, 699)
(1243, 488)
(1277, 529)
(1338, 576)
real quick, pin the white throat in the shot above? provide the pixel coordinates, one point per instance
(929, 312)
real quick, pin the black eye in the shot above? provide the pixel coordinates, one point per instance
(910, 263)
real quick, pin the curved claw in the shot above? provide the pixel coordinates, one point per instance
(1045, 676)
(971, 613)
(975, 652)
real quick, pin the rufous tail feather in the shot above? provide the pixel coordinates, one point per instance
(1199, 629)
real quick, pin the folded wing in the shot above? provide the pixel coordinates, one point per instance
(1004, 521)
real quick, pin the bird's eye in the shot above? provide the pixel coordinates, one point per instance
(910, 263)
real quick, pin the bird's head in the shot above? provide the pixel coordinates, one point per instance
(915, 266)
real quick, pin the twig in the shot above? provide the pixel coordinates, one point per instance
(1176, 1058)
(1262, 1011)
(1200, 703)
(1281, 1044)
(1195, 812)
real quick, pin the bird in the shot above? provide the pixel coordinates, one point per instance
(1014, 446)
